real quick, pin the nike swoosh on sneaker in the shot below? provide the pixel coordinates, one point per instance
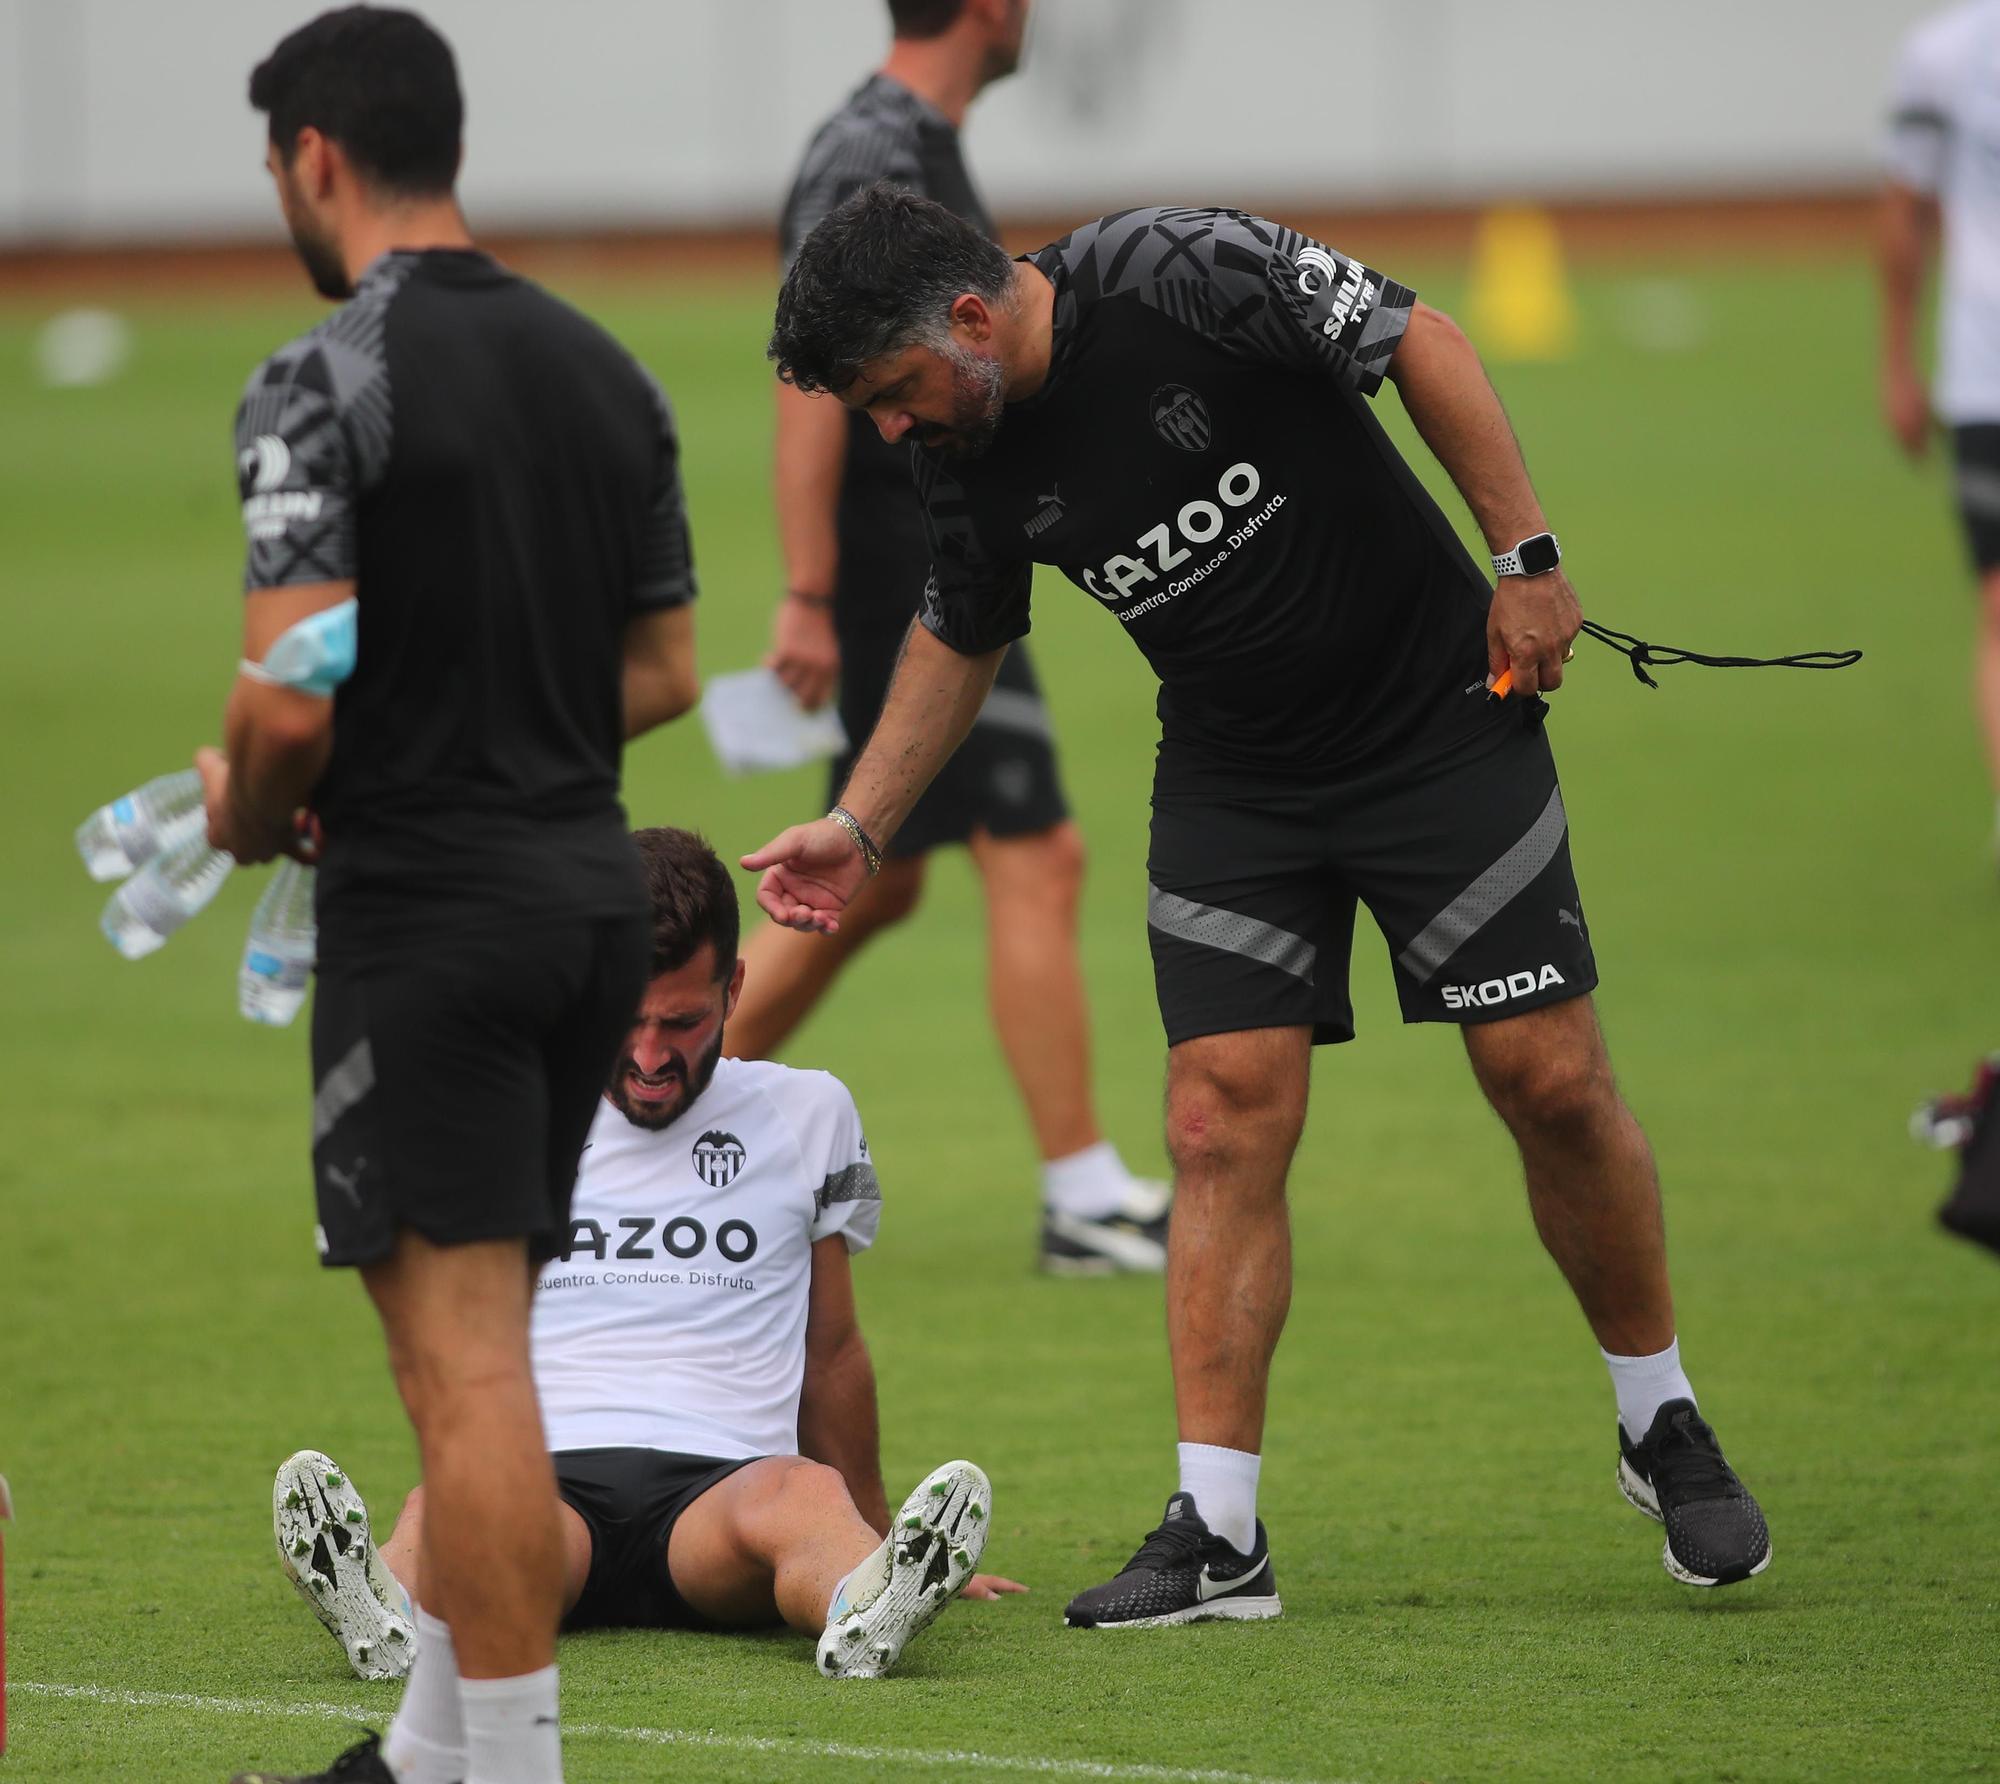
(1207, 1586)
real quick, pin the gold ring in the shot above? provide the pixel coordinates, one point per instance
(1569, 653)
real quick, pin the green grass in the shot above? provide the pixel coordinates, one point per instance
(1795, 919)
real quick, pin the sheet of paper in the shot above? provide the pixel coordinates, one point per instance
(756, 726)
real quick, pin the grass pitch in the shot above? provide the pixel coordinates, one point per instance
(1794, 911)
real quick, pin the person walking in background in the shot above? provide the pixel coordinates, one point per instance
(852, 532)
(1944, 180)
(494, 484)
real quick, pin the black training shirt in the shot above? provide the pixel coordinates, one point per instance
(1201, 460)
(501, 481)
(883, 132)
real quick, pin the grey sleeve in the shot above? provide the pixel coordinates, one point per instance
(1256, 288)
(298, 472)
(845, 157)
(974, 601)
(666, 550)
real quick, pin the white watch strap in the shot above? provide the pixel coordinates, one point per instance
(1508, 563)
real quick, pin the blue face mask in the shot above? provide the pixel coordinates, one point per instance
(313, 657)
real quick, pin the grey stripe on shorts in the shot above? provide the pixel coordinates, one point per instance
(1488, 895)
(1979, 490)
(344, 1086)
(1208, 926)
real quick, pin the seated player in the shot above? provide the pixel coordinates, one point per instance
(708, 1398)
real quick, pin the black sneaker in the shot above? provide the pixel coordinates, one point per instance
(1182, 1573)
(362, 1763)
(1715, 1531)
(1130, 1240)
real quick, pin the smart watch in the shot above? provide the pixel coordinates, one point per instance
(1532, 557)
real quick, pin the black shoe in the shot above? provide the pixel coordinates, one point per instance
(1130, 1240)
(362, 1763)
(1715, 1531)
(1182, 1573)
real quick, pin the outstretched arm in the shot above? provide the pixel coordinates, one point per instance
(811, 871)
(1446, 392)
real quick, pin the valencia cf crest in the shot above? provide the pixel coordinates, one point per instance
(717, 1158)
(1181, 418)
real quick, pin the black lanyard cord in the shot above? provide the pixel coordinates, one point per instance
(1664, 656)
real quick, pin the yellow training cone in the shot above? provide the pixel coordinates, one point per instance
(1519, 306)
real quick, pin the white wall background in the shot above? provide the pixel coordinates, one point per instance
(128, 118)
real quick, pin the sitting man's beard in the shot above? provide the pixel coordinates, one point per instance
(654, 1116)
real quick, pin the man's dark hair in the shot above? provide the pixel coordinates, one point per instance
(693, 899)
(379, 82)
(877, 275)
(924, 18)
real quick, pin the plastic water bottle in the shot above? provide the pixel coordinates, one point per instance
(129, 832)
(278, 956)
(172, 887)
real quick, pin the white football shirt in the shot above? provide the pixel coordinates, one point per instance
(677, 1319)
(1944, 139)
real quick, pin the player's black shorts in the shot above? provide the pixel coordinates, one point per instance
(453, 1090)
(1463, 863)
(630, 1499)
(1976, 450)
(1003, 778)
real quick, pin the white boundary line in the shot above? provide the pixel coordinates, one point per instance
(926, 1757)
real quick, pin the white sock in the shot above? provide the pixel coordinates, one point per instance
(1223, 1485)
(426, 1743)
(1089, 1184)
(1645, 1384)
(511, 1732)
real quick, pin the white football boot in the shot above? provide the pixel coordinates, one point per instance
(932, 1548)
(327, 1552)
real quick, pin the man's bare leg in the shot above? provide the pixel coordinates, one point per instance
(402, 1552)
(769, 1544)
(1595, 1194)
(789, 972)
(456, 1318)
(1236, 1104)
(1592, 1184)
(1035, 982)
(1986, 673)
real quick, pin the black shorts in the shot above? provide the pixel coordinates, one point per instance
(1463, 862)
(453, 1090)
(1976, 451)
(630, 1500)
(1003, 778)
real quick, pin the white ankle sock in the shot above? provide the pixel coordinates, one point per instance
(1223, 1485)
(511, 1733)
(1645, 1384)
(1089, 1184)
(426, 1743)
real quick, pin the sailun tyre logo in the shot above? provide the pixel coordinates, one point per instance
(264, 464)
(717, 1158)
(1181, 418)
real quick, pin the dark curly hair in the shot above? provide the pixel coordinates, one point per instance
(877, 275)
